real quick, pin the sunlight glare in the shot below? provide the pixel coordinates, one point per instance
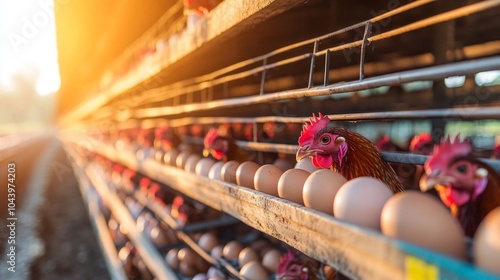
(29, 44)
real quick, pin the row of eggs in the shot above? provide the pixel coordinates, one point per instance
(412, 216)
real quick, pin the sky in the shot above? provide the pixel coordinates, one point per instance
(28, 44)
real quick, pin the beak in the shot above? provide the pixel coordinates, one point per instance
(304, 152)
(435, 180)
(427, 183)
(206, 152)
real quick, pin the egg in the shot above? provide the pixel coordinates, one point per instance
(159, 236)
(191, 163)
(245, 174)
(188, 256)
(486, 245)
(228, 171)
(181, 159)
(266, 179)
(170, 157)
(203, 166)
(360, 201)
(246, 255)
(200, 276)
(208, 241)
(422, 219)
(214, 273)
(307, 165)
(159, 154)
(271, 260)
(215, 171)
(216, 251)
(283, 164)
(320, 189)
(187, 269)
(232, 250)
(291, 184)
(171, 259)
(253, 270)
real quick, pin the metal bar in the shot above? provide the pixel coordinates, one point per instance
(242, 64)
(263, 76)
(428, 73)
(326, 78)
(311, 68)
(453, 14)
(462, 113)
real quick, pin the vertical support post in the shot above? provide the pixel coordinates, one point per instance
(311, 69)
(263, 76)
(366, 35)
(326, 77)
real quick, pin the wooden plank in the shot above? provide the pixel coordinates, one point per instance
(357, 252)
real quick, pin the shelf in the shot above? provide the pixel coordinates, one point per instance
(355, 251)
(100, 226)
(150, 255)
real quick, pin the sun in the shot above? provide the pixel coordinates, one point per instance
(29, 43)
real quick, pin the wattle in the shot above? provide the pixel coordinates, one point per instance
(452, 196)
(322, 161)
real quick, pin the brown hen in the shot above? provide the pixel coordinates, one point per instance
(344, 151)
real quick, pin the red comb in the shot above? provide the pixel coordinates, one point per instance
(419, 140)
(310, 129)
(453, 146)
(210, 137)
(285, 260)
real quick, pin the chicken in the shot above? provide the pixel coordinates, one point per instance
(344, 151)
(165, 138)
(495, 154)
(468, 186)
(221, 146)
(297, 266)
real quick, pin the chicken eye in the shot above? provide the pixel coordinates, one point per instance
(325, 140)
(462, 168)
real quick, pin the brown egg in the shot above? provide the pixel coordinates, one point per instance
(283, 164)
(320, 189)
(232, 250)
(187, 269)
(191, 162)
(422, 219)
(360, 201)
(486, 246)
(254, 271)
(266, 179)
(228, 171)
(188, 256)
(159, 236)
(271, 260)
(203, 166)
(170, 157)
(181, 159)
(215, 171)
(307, 165)
(171, 259)
(245, 174)
(208, 241)
(246, 255)
(291, 184)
